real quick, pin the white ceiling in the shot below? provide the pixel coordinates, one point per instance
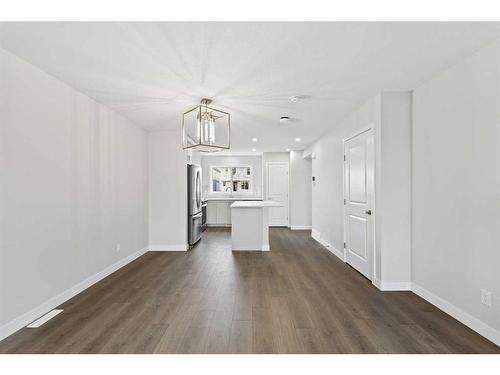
(152, 72)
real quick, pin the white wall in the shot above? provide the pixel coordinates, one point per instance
(327, 190)
(394, 190)
(388, 114)
(232, 160)
(456, 185)
(167, 191)
(275, 157)
(73, 180)
(300, 190)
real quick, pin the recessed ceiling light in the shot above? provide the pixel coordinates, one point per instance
(254, 139)
(254, 149)
(287, 150)
(297, 139)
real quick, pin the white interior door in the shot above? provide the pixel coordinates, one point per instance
(358, 201)
(277, 190)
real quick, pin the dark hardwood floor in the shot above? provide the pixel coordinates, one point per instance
(297, 298)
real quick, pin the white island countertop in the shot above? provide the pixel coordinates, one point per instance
(230, 199)
(255, 204)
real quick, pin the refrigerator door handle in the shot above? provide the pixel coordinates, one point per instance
(198, 190)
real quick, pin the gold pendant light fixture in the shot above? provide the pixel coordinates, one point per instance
(206, 129)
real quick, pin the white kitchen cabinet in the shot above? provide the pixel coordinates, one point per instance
(219, 213)
(211, 213)
(224, 213)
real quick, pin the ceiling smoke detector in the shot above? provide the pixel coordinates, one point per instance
(284, 119)
(298, 98)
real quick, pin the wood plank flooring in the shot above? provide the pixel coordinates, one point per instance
(297, 298)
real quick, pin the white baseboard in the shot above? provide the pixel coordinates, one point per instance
(263, 248)
(392, 286)
(470, 321)
(317, 236)
(381, 285)
(28, 317)
(300, 227)
(184, 247)
(336, 252)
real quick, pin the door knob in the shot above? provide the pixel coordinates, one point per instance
(369, 212)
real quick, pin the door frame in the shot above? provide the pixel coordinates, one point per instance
(370, 128)
(288, 185)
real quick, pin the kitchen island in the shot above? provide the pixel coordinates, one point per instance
(250, 225)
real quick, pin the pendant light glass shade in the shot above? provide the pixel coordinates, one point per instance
(206, 129)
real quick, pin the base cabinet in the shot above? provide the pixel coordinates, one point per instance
(219, 213)
(211, 213)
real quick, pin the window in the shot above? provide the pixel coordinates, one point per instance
(231, 179)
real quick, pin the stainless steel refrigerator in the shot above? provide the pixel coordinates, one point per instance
(195, 225)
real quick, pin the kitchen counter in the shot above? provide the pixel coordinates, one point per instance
(250, 225)
(232, 199)
(255, 204)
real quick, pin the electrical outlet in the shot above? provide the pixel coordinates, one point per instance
(118, 247)
(486, 297)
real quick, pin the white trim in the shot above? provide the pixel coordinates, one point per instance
(44, 319)
(377, 283)
(391, 286)
(396, 285)
(317, 236)
(358, 132)
(336, 252)
(183, 247)
(300, 227)
(381, 285)
(263, 248)
(28, 317)
(470, 321)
